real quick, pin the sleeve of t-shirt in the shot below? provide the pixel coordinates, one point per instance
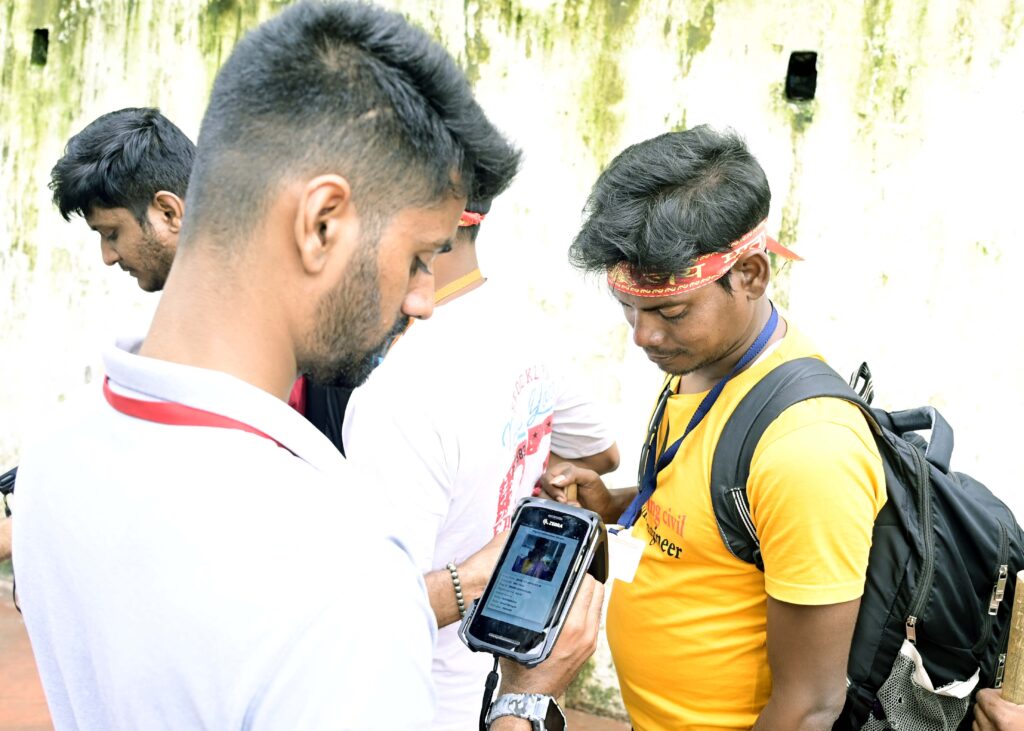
(816, 486)
(579, 426)
(410, 462)
(363, 662)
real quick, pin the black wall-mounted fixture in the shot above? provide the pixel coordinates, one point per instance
(40, 46)
(802, 76)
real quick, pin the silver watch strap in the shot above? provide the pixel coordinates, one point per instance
(531, 706)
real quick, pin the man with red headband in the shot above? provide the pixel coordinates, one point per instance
(458, 452)
(701, 639)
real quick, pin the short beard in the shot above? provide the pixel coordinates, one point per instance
(157, 258)
(690, 369)
(345, 347)
(705, 363)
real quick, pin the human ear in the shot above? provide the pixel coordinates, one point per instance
(170, 209)
(325, 221)
(751, 274)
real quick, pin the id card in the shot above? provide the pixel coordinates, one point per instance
(624, 552)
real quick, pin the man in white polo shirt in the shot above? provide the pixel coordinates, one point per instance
(473, 441)
(192, 553)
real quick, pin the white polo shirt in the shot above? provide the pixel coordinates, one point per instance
(202, 577)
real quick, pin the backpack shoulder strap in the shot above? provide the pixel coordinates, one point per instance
(788, 384)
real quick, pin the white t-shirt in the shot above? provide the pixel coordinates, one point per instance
(458, 421)
(201, 577)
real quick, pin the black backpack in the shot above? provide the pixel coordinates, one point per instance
(944, 555)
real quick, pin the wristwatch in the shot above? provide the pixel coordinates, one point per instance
(541, 711)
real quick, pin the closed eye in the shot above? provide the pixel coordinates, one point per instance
(673, 314)
(420, 266)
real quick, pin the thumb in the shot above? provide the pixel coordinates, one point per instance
(562, 474)
(553, 482)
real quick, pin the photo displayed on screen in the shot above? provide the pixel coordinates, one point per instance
(539, 558)
(528, 580)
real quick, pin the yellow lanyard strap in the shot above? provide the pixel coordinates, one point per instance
(466, 280)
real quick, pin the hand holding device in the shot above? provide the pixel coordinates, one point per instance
(575, 485)
(550, 549)
(540, 609)
(575, 644)
(530, 693)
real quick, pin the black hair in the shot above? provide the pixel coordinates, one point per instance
(664, 202)
(475, 205)
(121, 160)
(347, 88)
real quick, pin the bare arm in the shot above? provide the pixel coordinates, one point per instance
(601, 463)
(808, 647)
(5, 538)
(473, 575)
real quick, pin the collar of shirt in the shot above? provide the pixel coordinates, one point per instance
(200, 388)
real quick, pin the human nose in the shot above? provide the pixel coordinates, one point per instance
(419, 300)
(646, 333)
(110, 255)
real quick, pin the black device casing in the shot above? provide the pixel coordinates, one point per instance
(593, 554)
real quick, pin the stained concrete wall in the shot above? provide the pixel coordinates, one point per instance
(898, 183)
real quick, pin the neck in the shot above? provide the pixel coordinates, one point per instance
(704, 378)
(450, 267)
(204, 321)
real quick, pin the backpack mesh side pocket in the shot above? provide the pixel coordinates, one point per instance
(911, 703)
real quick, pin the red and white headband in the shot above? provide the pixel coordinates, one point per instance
(705, 269)
(469, 218)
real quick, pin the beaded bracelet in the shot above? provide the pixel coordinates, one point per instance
(458, 588)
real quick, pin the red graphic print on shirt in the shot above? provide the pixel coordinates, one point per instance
(514, 476)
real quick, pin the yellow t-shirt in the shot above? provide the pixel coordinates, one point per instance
(688, 633)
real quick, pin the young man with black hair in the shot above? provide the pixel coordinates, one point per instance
(473, 441)
(127, 173)
(701, 639)
(332, 166)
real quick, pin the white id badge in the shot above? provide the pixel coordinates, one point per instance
(624, 552)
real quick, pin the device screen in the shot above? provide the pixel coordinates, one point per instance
(523, 594)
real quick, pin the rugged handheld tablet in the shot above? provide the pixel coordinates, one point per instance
(550, 548)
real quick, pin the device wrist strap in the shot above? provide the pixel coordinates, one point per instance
(489, 686)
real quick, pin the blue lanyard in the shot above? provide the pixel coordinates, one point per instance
(649, 468)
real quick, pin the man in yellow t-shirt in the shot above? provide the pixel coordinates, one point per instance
(702, 640)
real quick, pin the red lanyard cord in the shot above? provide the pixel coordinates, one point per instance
(175, 414)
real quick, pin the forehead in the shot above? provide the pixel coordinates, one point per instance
(657, 303)
(435, 222)
(99, 217)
